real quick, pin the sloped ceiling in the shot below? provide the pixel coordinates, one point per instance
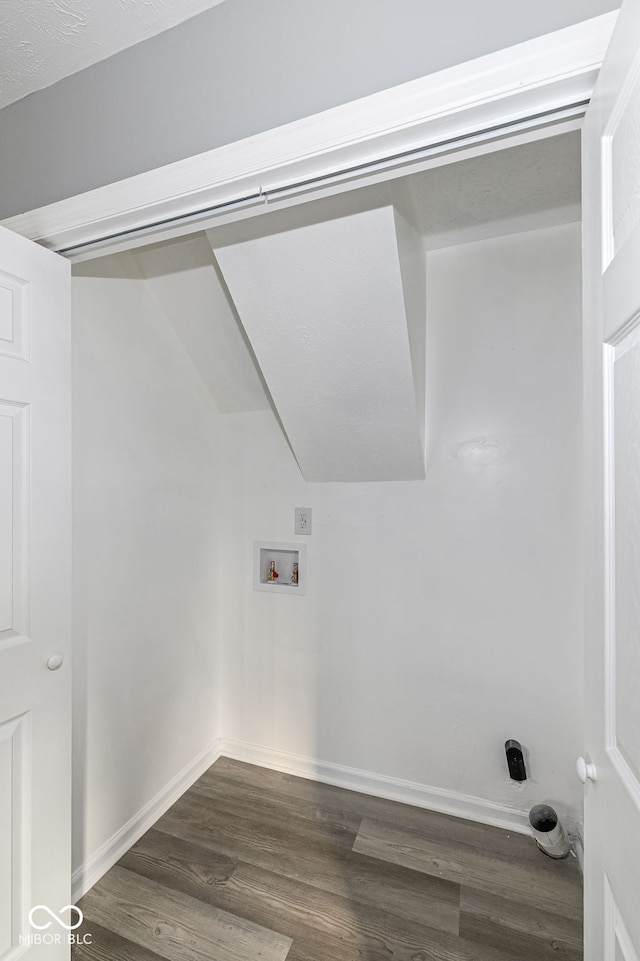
(327, 306)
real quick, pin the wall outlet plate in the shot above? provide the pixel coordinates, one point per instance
(303, 520)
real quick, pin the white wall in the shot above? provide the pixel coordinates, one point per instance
(444, 616)
(441, 616)
(145, 543)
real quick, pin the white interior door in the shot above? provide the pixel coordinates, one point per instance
(35, 597)
(611, 215)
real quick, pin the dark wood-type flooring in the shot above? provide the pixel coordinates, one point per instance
(254, 865)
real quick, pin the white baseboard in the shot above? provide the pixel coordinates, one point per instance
(112, 850)
(353, 779)
(379, 785)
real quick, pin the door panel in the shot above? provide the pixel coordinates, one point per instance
(14, 835)
(14, 520)
(611, 223)
(35, 587)
(6, 833)
(14, 316)
(621, 181)
(6, 522)
(618, 943)
(623, 466)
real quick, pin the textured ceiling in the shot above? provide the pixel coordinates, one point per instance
(533, 185)
(42, 41)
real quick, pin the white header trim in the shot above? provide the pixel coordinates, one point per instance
(543, 75)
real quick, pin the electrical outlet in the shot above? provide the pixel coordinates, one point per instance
(303, 520)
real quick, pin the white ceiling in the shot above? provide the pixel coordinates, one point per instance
(536, 184)
(42, 41)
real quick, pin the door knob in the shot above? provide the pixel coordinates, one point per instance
(586, 772)
(55, 662)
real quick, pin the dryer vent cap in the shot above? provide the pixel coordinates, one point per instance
(515, 760)
(543, 818)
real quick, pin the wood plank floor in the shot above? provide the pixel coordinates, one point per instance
(254, 865)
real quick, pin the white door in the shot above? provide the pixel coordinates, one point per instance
(35, 582)
(611, 217)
